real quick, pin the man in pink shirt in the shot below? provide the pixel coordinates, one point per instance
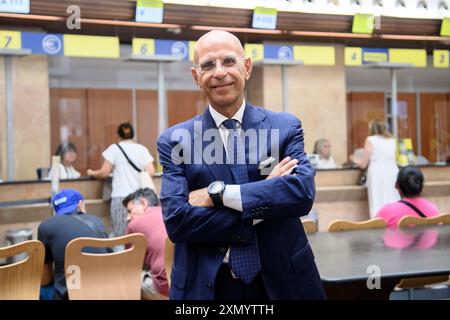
(409, 184)
(146, 217)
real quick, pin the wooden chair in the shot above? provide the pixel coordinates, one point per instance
(22, 280)
(344, 225)
(412, 283)
(408, 221)
(168, 259)
(109, 276)
(309, 225)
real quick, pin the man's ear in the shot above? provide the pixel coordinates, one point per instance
(195, 77)
(248, 67)
(144, 202)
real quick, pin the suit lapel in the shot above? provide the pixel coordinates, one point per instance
(254, 120)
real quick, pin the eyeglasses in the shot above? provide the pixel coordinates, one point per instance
(209, 65)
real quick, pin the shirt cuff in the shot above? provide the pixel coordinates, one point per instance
(232, 197)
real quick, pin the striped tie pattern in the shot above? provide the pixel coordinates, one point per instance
(244, 259)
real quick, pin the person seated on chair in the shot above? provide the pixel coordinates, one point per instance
(69, 222)
(145, 217)
(409, 184)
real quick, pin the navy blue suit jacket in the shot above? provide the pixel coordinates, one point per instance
(202, 235)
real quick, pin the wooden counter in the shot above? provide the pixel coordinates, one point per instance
(339, 197)
(26, 203)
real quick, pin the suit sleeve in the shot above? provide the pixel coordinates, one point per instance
(192, 224)
(287, 196)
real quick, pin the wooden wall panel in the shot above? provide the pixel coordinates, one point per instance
(184, 105)
(147, 119)
(107, 108)
(434, 110)
(362, 107)
(406, 103)
(68, 122)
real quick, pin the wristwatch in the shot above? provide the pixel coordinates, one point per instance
(215, 191)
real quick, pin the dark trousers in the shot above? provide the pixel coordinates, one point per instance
(229, 288)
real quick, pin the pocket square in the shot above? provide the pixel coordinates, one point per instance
(266, 163)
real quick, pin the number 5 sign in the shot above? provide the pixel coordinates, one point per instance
(10, 40)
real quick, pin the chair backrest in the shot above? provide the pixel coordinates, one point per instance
(419, 221)
(22, 280)
(109, 276)
(168, 258)
(309, 225)
(344, 225)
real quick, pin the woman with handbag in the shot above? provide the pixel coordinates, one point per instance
(379, 159)
(131, 165)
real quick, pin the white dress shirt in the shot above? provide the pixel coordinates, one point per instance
(232, 192)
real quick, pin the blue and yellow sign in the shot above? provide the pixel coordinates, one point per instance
(184, 50)
(371, 55)
(356, 56)
(309, 55)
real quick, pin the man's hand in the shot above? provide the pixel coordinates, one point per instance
(285, 167)
(200, 198)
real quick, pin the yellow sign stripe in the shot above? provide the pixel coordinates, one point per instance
(353, 56)
(254, 51)
(10, 39)
(315, 55)
(191, 50)
(91, 46)
(417, 57)
(141, 46)
(440, 58)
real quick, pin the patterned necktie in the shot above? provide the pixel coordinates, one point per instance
(244, 259)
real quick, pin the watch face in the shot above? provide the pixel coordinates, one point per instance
(216, 187)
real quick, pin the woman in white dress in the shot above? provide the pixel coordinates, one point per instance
(379, 157)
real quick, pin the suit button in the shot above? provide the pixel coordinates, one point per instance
(210, 286)
(223, 250)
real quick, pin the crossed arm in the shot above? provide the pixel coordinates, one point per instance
(190, 216)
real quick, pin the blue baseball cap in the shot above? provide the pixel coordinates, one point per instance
(66, 201)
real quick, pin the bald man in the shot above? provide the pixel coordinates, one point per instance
(236, 180)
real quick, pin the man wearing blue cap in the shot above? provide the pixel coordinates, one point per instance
(71, 221)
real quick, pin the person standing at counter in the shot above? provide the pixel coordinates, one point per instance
(123, 160)
(382, 169)
(68, 153)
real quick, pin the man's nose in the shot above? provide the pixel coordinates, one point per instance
(219, 70)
